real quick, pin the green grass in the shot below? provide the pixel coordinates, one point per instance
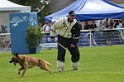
(97, 64)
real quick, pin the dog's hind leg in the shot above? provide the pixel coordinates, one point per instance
(44, 66)
(48, 63)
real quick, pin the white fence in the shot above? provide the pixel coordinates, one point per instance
(5, 42)
(90, 38)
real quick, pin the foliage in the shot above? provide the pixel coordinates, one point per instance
(33, 36)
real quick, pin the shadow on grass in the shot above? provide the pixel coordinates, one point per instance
(66, 71)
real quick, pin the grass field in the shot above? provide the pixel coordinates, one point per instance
(97, 64)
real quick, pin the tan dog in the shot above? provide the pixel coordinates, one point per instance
(29, 62)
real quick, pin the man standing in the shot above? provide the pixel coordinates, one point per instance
(68, 35)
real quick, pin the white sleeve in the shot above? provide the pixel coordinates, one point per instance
(58, 24)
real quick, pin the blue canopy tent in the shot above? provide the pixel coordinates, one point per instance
(76, 6)
(99, 9)
(90, 10)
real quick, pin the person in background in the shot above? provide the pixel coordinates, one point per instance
(121, 37)
(86, 25)
(44, 26)
(111, 23)
(68, 36)
(46, 31)
(100, 32)
(47, 28)
(108, 32)
(122, 21)
(106, 23)
(116, 23)
(93, 28)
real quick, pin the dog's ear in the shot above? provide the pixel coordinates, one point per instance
(16, 54)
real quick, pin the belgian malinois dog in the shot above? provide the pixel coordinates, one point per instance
(29, 62)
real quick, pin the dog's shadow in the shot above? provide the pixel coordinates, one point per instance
(42, 74)
(54, 72)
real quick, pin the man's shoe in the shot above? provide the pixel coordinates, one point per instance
(60, 69)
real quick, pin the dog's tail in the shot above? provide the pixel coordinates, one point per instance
(48, 63)
(45, 62)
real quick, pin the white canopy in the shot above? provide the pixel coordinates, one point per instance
(6, 5)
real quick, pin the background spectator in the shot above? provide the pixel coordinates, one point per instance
(100, 32)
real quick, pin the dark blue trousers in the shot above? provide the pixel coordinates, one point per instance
(61, 51)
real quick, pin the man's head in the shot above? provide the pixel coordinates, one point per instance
(71, 16)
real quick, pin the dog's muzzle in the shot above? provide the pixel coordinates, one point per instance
(14, 62)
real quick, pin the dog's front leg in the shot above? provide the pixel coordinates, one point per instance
(25, 68)
(20, 70)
